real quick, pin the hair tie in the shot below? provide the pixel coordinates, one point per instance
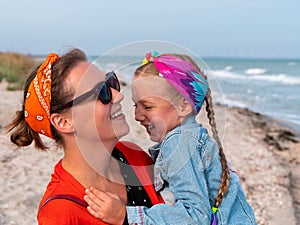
(149, 57)
(182, 75)
(38, 98)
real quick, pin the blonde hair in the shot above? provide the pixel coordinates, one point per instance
(149, 69)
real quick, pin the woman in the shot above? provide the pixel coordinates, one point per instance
(71, 101)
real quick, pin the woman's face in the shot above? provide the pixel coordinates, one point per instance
(93, 121)
(154, 107)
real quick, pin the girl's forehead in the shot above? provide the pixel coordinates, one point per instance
(150, 86)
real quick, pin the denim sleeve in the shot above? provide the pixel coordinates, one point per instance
(182, 169)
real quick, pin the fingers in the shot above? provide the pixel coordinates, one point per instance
(100, 196)
(94, 198)
(95, 202)
(93, 212)
(105, 206)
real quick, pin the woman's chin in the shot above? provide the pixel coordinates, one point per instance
(123, 130)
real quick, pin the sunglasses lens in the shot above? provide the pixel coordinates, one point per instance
(113, 81)
(104, 94)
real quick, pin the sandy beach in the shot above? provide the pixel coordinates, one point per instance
(265, 153)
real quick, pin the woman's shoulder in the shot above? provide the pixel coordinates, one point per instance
(62, 211)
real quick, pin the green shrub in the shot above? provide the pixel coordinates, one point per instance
(14, 67)
(13, 87)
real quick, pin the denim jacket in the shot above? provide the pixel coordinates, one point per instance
(187, 173)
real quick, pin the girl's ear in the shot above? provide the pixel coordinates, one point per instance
(185, 108)
(61, 123)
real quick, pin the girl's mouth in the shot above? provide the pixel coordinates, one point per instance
(149, 128)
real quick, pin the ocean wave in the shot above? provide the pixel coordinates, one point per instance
(278, 78)
(227, 74)
(292, 63)
(228, 68)
(225, 99)
(255, 71)
(106, 66)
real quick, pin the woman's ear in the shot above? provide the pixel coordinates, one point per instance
(185, 108)
(61, 123)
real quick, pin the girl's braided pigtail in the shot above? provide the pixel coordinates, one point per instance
(225, 170)
(223, 189)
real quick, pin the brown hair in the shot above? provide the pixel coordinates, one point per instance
(148, 70)
(21, 133)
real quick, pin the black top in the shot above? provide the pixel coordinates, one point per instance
(136, 194)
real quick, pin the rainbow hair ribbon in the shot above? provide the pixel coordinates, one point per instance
(182, 75)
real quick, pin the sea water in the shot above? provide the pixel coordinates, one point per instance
(266, 86)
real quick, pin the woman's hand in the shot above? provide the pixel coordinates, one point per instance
(106, 206)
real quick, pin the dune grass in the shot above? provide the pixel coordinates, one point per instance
(14, 67)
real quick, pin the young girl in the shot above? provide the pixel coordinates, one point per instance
(191, 172)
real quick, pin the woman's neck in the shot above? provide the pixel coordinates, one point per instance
(110, 181)
(93, 167)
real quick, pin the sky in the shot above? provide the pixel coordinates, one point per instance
(210, 28)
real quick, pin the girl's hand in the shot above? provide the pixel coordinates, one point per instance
(106, 206)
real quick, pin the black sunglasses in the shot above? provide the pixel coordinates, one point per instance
(101, 90)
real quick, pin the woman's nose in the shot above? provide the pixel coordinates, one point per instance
(116, 96)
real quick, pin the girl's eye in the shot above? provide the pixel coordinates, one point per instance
(147, 107)
(142, 106)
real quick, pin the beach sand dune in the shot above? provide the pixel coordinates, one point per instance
(266, 156)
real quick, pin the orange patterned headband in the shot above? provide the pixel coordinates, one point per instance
(38, 98)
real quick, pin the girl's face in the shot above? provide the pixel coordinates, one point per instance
(154, 107)
(94, 121)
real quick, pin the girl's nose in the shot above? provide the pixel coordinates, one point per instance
(138, 114)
